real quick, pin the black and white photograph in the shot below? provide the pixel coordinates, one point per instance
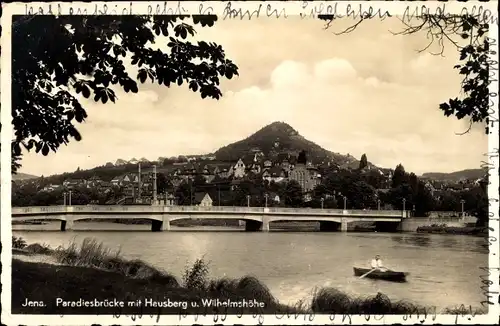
(250, 159)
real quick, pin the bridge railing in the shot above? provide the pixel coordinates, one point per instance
(298, 211)
(95, 209)
(38, 209)
(228, 209)
(374, 212)
(117, 209)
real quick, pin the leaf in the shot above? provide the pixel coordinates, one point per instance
(142, 75)
(104, 97)
(16, 149)
(111, 95)
(45, 149)
(179, 81)
(193, 85)
(133, 87)
(38, 146)
(85, 91)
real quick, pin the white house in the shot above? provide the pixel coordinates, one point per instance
(202, 199)
(239, 169)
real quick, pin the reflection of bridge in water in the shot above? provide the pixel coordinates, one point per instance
(255, 218)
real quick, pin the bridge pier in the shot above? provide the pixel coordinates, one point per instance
(387, 226)
(253, 226)
(343, 226)
(165, 225)
(327, 226)
(265, 225)
(158, 226)
(67, 225)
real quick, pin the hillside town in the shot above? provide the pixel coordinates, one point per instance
(140, 183)
(256, 179)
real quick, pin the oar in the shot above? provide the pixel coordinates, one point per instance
(367, 273)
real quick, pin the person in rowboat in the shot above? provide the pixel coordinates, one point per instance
(377, 264)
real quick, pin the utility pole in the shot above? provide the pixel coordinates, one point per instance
(191, 192)
(404, 207)
(155, 197)
(139, 181)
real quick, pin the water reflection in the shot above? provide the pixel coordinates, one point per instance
(416, 240)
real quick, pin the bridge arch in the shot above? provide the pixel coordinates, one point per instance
(249, 217)
(83, 217)
(285, 218)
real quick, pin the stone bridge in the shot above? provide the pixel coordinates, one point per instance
(256, 218)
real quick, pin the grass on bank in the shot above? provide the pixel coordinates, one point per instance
(91, 270)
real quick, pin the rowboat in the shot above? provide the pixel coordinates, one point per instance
(387, 275)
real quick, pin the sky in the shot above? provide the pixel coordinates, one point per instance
(368, 91)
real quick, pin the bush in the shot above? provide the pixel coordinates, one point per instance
(196, 276)
(40, 249)
(333, 301)
(247, 287)
(18, 243)
(91, 253)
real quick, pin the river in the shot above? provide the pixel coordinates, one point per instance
(444, 269)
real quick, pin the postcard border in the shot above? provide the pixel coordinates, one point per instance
(292, 8)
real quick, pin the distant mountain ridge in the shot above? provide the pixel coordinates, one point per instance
(470, 174)
(23, 176)
(280, 137)
(276, 139)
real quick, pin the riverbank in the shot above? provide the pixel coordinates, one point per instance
(90, 271)
(457, 230)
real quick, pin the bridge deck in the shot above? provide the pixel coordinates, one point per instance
(229, 210)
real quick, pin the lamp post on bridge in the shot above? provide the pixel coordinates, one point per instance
(190, 192)
(218, 195)
(404, 207)
(248, 200)
(64, 193)
(322, 202)
(155, 189)
(266, 196)
(378, 204)
(69, 198)
(345, 203)
(462, 202)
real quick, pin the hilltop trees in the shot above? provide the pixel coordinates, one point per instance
(399, 176)
(54, 57)
(363, 162)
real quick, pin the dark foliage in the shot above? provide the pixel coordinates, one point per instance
(54, 57)
(363, 162)
(290, 141)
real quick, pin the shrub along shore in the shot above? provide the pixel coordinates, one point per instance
(90, 274)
